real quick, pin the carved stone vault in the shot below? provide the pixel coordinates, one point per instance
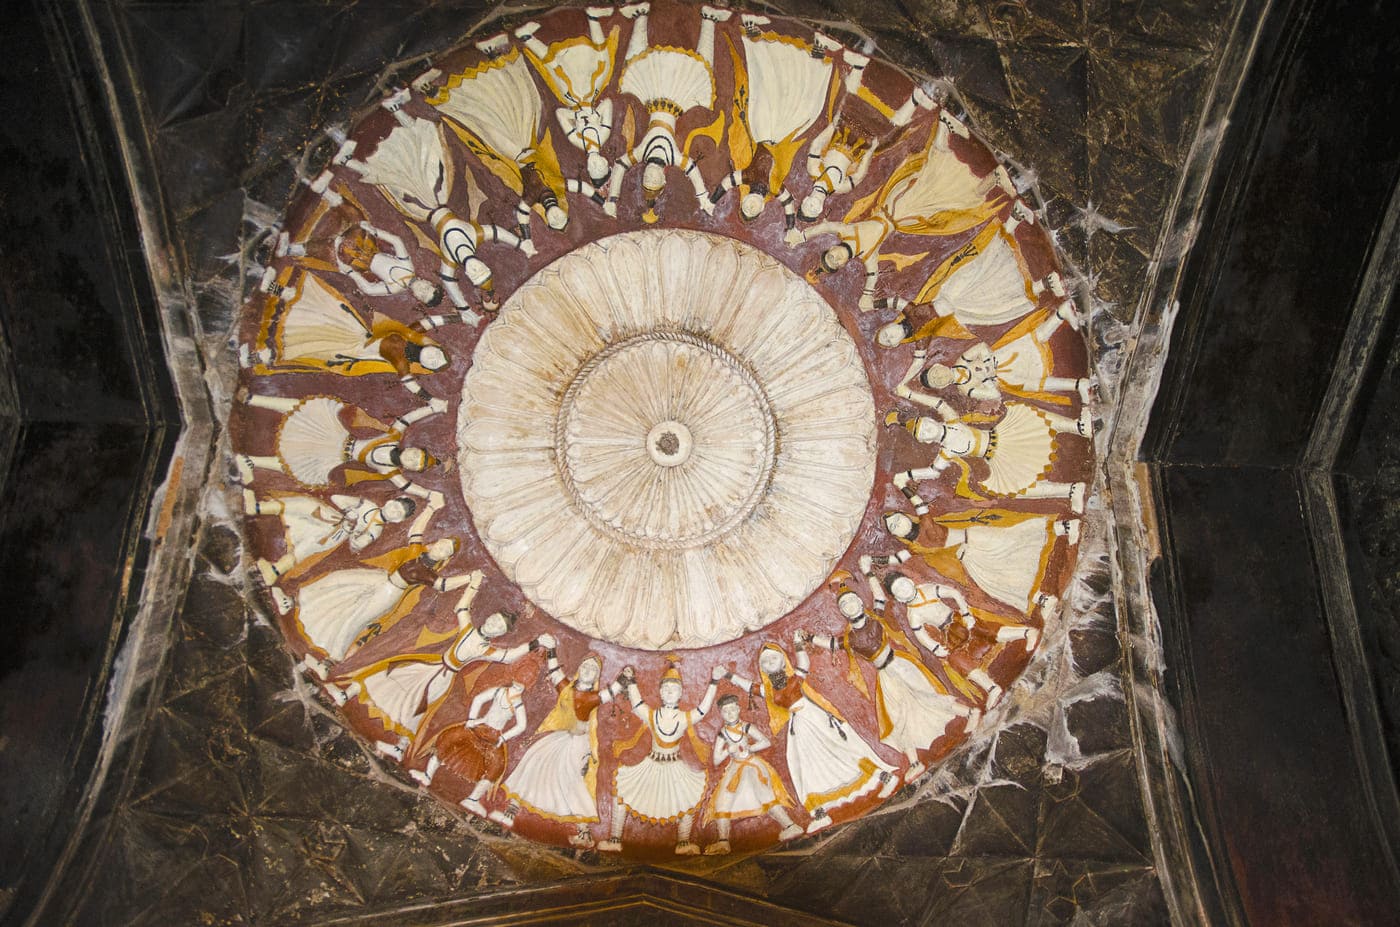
(531, 367)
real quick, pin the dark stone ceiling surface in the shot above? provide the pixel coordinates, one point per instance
(233, 797)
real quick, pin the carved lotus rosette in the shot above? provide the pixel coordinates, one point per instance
(702, 455)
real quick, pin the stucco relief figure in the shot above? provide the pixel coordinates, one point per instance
(310, 328)
(557, 776)
(320, 437)
(405, 691)
(782, 86)
(578, 71)
(313, 528)
(669, 82)
(930, 193)
(839, 157)
(1001, 552)
(830, 764)
(747, 785)
(913, 707)
(475, 750)
(663, 786)
(1019, 363)
(376, 260)
(1006, 456)
(341, 611)
(945, 625)
(984, 282)
(495, 109)
(412, 167)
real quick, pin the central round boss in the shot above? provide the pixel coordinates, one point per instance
(667, 439)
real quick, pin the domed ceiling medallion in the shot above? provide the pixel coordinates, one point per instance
(663, 430)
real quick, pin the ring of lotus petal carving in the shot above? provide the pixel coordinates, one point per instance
(752, 374)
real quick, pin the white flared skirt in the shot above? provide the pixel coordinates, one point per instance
(311, 527)
(399, 690)
(312, 439)
(944, 183)
(581, 69)
(318, 326)
(787, 88)
(336, 608)
(549, 779)
(919, 714)
(661, 787)
(988, 290)
(1004, 562)
(1022, 363)
(830, 764)
(500, 106)
(745, 788)
(1025, 444)
(673, 74)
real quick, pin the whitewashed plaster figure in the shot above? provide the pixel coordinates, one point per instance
(405, 691)
(985, 282)
(747, 785)
(341, 611)
(783, 85)
(475, 750)
(411, 166)
(495, 108)
(830, 764)
(375, 259)
(312, 528)
(578, 71)
(1017, 450)
(557, 776)
(839, 156)
(931, 193)
(320, 436)
(1021, 363)
(939, 607)
(1002, 553)
(309, 327)
(669, 82)
(662, 787)
(913, 707)
(360, 254)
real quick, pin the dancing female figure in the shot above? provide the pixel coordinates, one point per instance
(1003, 553)
(557, 776)
(476, 749)
(406, 690)
(1016, 452)
(313, 528)
(311, 328)
(410, 165)
(748, 785)
(341, 611)
(782, 85)
(839, 156)
(931, 193)
(829, 762)
(578, 70)
(494, 108)
(320, 436)
(913, 706)
(661, 787)
(669, 82)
